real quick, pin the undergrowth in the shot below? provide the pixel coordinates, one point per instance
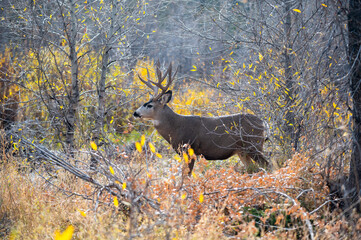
(215, 203)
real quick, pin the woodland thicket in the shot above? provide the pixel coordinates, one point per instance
(75, 164)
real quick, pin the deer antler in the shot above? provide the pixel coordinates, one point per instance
(154, 88)
(158, 85)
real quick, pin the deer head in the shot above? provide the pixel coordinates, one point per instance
(152, 109)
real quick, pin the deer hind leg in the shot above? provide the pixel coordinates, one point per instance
(248, 163)
(259, 158)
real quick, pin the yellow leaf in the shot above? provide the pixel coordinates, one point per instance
(190, 151)
(324, 5)
(138, 146)
(82, 213)
(93, 146)
(260, 56)
(142, 140)
(124, 186)
(115, 201)
(194, 175)
(151, 147)
(184, 196)
(194, 68)
(297, 10)
(66, 235)
(201, 198)
(111, 170)
(185, 156)
(159, 155)
(176, 157)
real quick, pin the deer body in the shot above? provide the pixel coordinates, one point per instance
(216, 138)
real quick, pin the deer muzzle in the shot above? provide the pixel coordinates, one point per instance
(135, 114)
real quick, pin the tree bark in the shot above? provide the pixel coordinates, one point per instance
(99, 120)
(74, 93)
(354, 35)
(289, 126)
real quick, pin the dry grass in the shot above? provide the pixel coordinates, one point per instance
(36, 210)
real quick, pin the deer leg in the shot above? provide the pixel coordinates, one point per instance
(247, 162)
(190, 166)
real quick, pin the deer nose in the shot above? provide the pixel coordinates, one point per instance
(135, 114)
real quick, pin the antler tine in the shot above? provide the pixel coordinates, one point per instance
(159, 74)
(158, 85)
(148, 83)
(161, 79)
(157, 64)
(176, 71)
(170, 78)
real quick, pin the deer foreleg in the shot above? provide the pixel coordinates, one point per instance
(190, 166)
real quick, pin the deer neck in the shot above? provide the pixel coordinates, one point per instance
(166, 122)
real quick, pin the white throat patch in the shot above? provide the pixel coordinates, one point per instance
(155, 122)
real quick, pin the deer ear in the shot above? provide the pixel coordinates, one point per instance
(166, 97)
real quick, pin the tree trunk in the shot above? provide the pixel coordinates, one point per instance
(289, 114)
(74, 93)
(354, 35)
(99, 120)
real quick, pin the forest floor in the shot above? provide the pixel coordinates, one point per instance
(219, 201)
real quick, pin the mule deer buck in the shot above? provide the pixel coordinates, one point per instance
(216, 138)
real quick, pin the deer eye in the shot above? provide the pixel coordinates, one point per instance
(149, 106)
